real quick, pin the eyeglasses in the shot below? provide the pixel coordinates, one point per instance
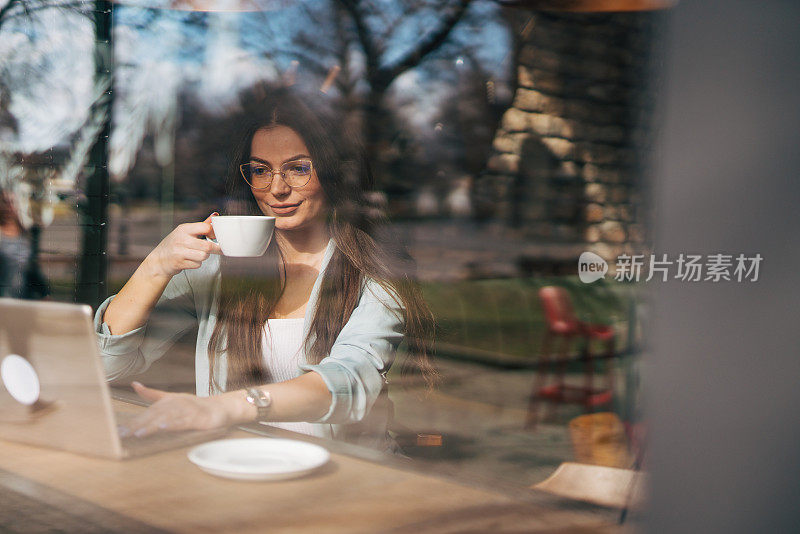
(295, 173)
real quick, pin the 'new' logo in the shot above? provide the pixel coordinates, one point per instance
(591, 267)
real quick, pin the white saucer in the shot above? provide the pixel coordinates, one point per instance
(258, 458)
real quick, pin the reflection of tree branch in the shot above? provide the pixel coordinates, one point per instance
(381, 77)
(430, 43)
(376, 11)
(6, 9)
(312, 14)
(344, 35)
(6, 12)
(313, 45)
(370, 48)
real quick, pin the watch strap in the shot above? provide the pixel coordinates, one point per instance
(261, 400)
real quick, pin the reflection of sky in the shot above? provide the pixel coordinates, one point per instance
(160, 53)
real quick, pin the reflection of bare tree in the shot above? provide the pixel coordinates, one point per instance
(370, 28)
(373, 40)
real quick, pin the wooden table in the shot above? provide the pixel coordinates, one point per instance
(166, 492)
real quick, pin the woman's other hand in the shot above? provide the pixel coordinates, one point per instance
(176, 411)
(184, 248)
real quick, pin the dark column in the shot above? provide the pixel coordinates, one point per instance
(93, 262)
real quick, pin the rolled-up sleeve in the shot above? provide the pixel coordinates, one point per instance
(363, 352)
(133, 352)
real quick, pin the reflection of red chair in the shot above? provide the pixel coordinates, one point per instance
(564, 327)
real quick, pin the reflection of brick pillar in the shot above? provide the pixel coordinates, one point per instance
(567, 157)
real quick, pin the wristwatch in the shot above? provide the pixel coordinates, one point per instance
(261, 400)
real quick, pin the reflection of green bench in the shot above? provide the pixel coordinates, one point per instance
(501, 320)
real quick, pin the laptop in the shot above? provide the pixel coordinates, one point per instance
(53, 391)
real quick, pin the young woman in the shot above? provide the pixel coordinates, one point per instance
(306, 345)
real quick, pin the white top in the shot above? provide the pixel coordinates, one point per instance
(282, 349)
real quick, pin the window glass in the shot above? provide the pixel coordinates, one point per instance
(505, 144)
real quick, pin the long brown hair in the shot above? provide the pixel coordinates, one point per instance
(361, 254)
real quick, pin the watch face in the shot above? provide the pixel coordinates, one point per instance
(258, 398)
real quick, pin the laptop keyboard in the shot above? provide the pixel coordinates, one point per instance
(162, 441)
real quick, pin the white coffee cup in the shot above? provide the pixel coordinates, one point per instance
(243, 235)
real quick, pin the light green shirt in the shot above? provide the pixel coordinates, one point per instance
(354, 371)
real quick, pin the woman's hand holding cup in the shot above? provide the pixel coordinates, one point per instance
(184, 248)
